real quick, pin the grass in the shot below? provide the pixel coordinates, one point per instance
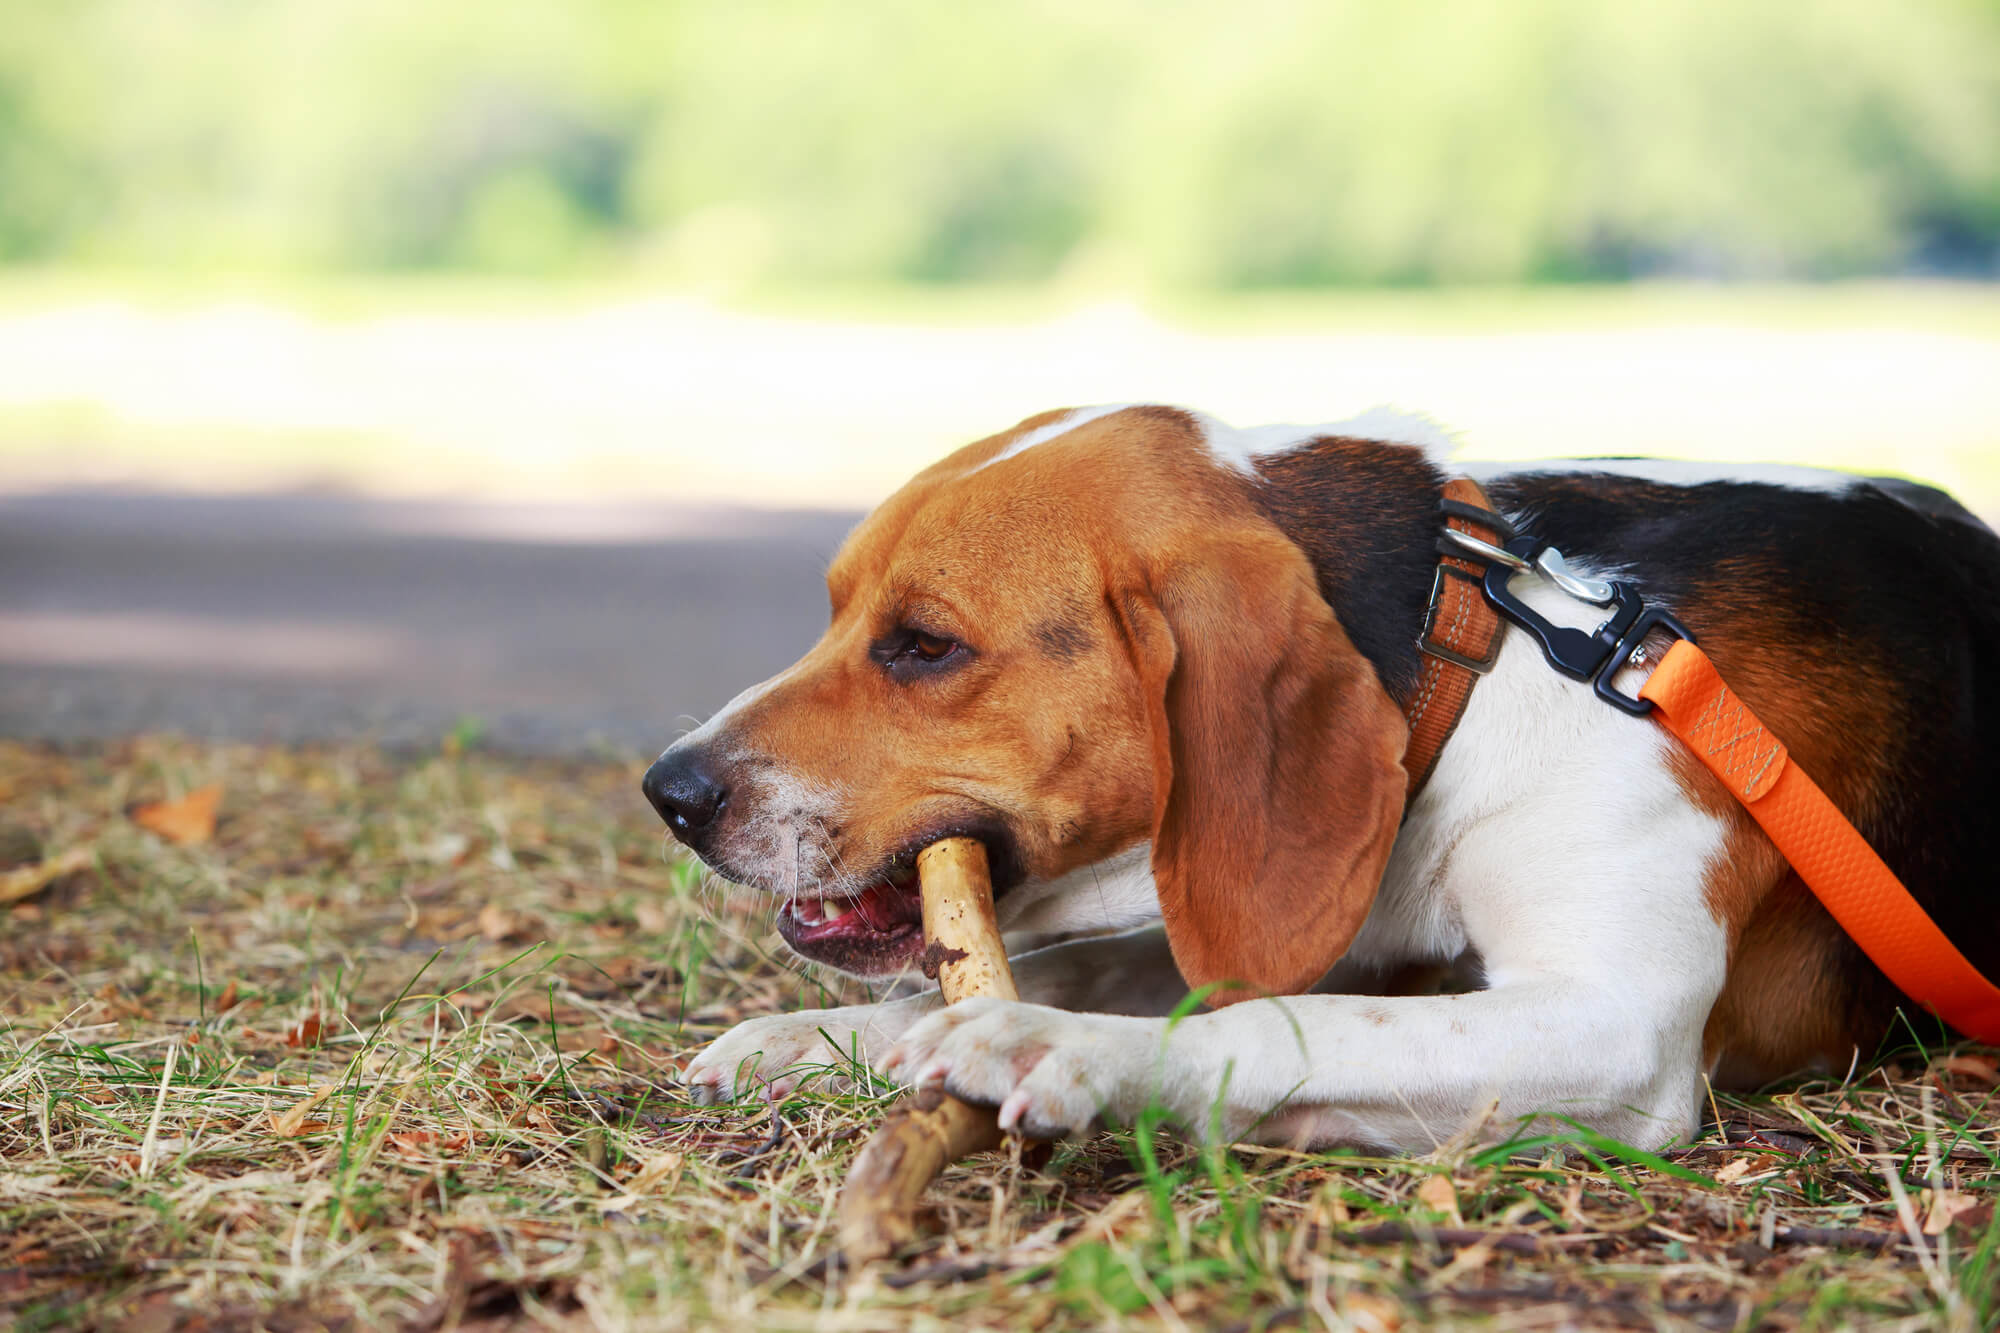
(397, 1048)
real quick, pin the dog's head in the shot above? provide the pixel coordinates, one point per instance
(1081, 643)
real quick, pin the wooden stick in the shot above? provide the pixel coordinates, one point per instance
(930, 1129)
(963, 947)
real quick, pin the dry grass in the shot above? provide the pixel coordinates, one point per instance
(397, 1049)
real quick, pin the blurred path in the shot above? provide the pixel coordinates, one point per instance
(297, 617)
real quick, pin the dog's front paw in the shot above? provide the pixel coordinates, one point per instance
(778, 1052)
(1049, 1071)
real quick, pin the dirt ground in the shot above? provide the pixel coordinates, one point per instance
(299, 1037)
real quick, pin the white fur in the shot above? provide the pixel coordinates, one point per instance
(1115, 894)
(1062, 425)
(1239, 448)
(1676, 472)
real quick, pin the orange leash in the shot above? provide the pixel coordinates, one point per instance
(1834, 860)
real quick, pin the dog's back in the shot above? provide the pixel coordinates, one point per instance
(1861, 619)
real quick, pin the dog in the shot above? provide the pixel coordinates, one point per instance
(1161, 669)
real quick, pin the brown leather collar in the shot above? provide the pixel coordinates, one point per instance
(1459, 643)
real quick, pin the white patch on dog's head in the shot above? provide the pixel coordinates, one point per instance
(1062, 425)
(1239, 448)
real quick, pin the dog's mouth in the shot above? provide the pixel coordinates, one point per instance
(878, 930)
(881, 929)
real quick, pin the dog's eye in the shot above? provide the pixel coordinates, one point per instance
(930, 647)
(909, 652)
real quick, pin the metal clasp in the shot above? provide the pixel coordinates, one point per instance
(1594, 656)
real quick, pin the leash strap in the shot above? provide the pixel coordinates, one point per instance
(1830, 855)
(1461, 636)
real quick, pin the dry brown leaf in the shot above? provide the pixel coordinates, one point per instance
(1436, 1193)
(1945, 1208)
(187, 821)
(663, 1168)
(425, 1144)
(1982, 1067)
(227, 1000)
(1733, 1170)
(29, 880)
(294, 1123)
(497, 924)
(653, 1171)
(1377, 1314)
(306, 1033)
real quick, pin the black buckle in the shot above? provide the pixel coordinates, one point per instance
(1650, 619)
(1594, 656)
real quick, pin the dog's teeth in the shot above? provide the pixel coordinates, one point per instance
(834, 911)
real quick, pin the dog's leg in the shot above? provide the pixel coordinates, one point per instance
(1132, 973)
(1593, 1011)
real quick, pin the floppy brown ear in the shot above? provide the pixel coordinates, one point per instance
(1278, 781)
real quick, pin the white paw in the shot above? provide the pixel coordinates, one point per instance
(1049, 1071)
(778, 1052)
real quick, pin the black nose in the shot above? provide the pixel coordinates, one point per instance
(685, 793)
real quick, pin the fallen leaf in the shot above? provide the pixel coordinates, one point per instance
(294, 1123)
(1946, 1206)
(120, 1005)
(227, 1000)
(1436, 1193)
(306, 1033)
(425, 1144)
(1982, 1067)
(28, 880)
(651, 1174)
(1734, 1170)
(1366, 1310)
(497, 924)
(189, 820)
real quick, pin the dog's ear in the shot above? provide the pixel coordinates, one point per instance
(1278, 781)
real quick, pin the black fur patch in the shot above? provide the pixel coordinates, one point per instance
(1366, 515)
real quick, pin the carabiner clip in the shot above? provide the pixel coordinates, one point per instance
(1594, 656)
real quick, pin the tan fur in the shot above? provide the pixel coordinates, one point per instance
(1114, 632)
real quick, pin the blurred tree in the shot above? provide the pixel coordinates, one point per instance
(1260, 142)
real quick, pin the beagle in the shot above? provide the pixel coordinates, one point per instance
(1161, 668)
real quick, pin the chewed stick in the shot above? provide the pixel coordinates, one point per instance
(930, 1129)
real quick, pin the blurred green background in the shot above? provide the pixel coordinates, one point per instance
(786, 252)
(1251, 144)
